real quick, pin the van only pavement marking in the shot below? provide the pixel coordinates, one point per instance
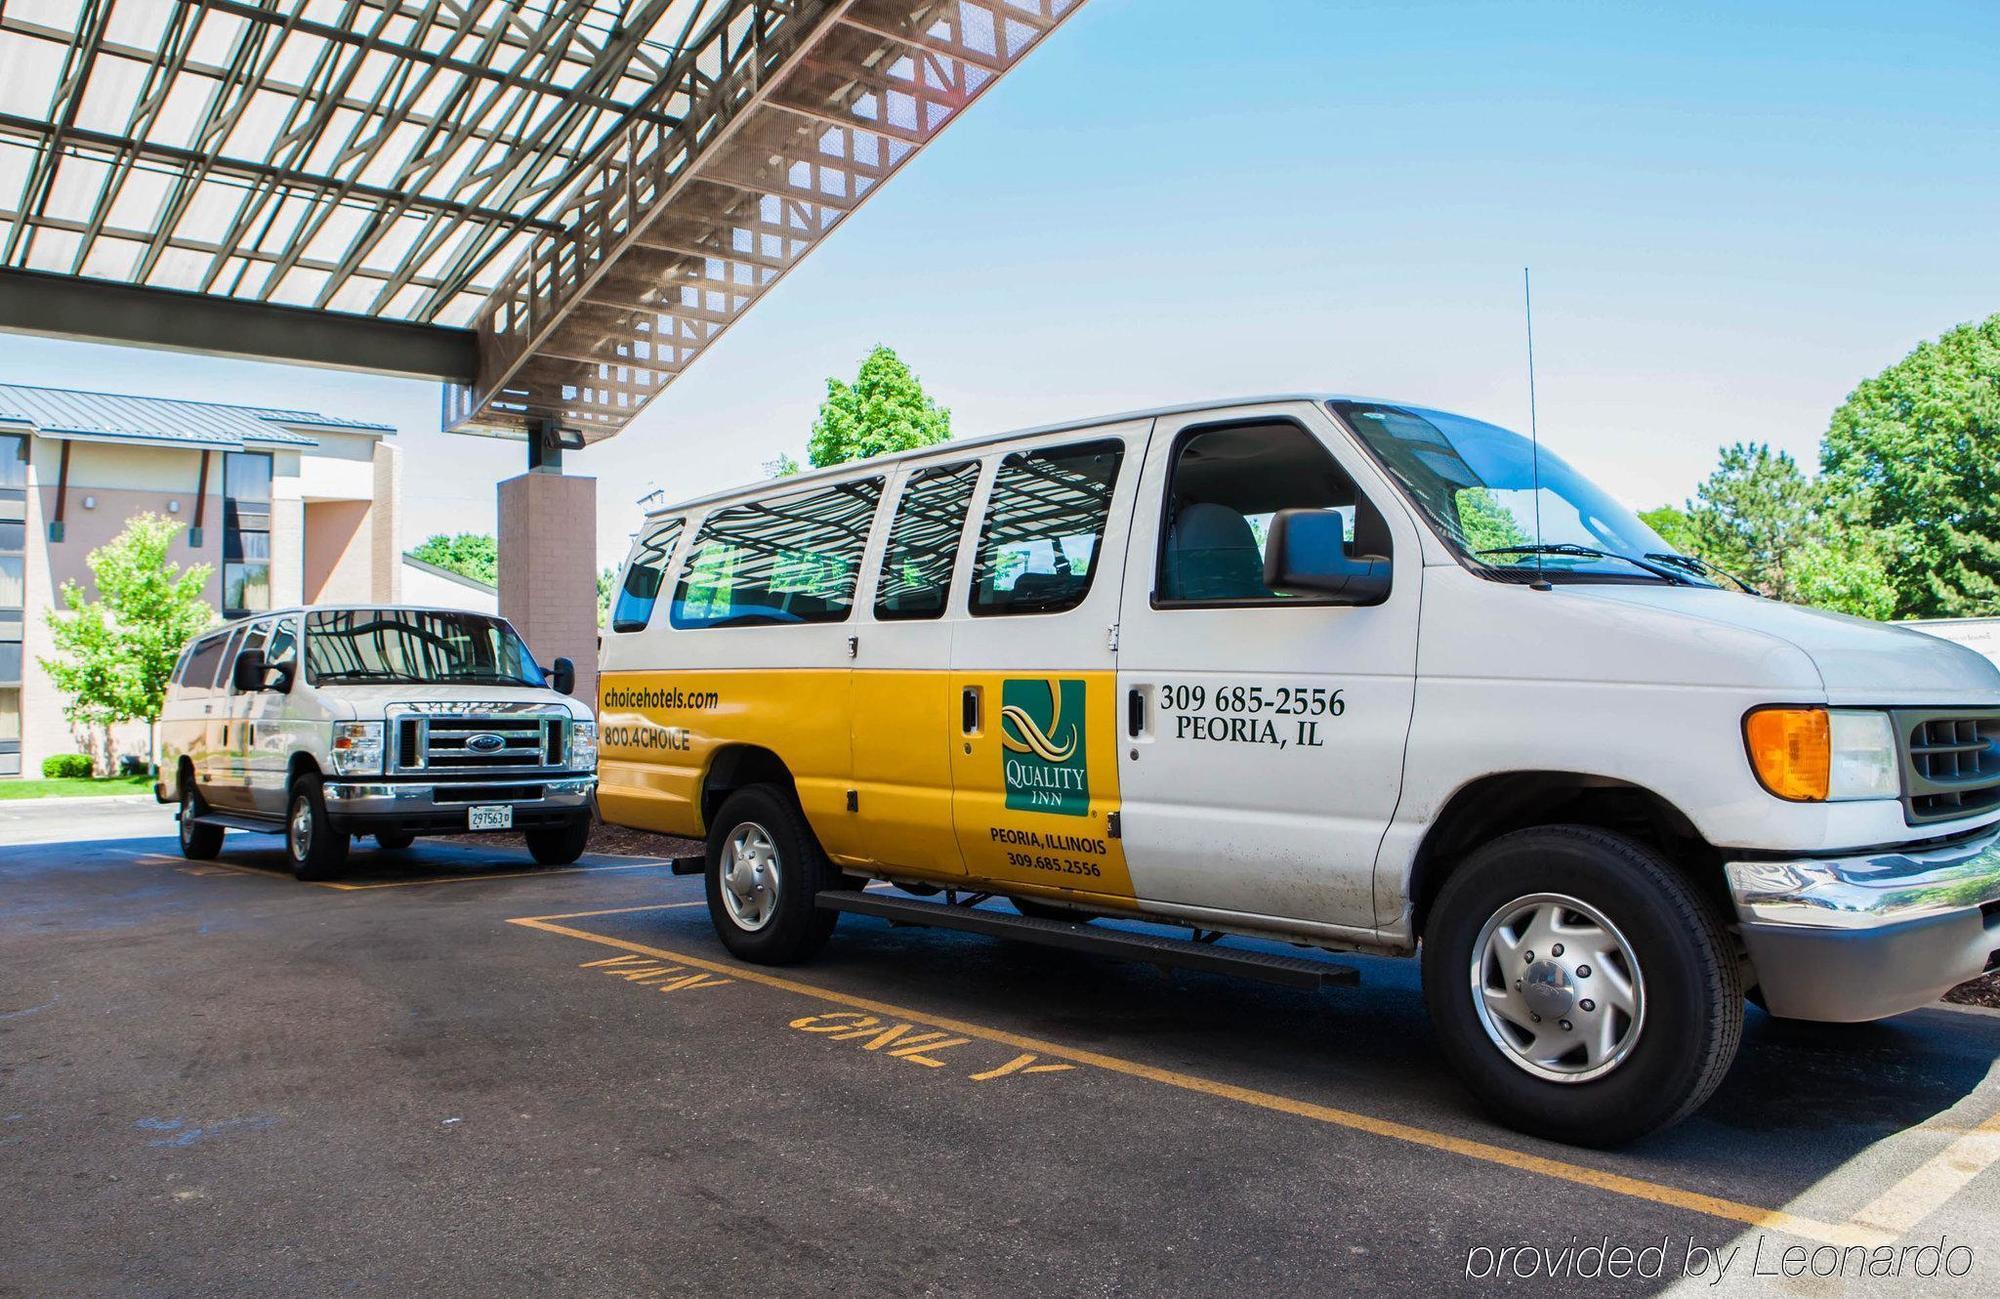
(1880, 1224)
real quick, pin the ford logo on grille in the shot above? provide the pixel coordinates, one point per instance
(485, 742)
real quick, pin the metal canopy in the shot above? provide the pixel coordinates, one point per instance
(556, 204)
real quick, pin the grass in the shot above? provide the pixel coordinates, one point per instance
(87, 788)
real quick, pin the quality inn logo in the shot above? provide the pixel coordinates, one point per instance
(1045, 764)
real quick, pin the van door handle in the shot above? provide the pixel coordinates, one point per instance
(969, 706)
(1135, 710)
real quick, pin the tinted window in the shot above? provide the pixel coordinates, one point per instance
(1044, 525)
(228, 656)
(284, 646)
(790, 560)
(200, 670)
(254, 637)
(923, 542)
(643, 576)
(1227, 483)
(415, 647)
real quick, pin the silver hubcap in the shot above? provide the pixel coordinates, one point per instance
(1557, 988)
(750, 876)
(301, 829)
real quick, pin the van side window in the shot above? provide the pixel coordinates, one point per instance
(228, 656)
(789, 560)
(1044, 524)
(199, 671)
(253, 639)
(923, 542)
(1226, 485)
(284, 649)
(641, 587)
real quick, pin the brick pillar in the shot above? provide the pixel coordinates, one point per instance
(548, 569)
(385, 559)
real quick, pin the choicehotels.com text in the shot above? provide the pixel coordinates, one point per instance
(1672, 1259)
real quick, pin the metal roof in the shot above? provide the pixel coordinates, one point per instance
(555, 205)
(62, 412)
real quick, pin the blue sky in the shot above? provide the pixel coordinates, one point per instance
(1734, 213)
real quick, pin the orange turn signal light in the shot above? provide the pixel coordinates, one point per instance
(1791, 750)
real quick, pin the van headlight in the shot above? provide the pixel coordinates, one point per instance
(1816, 755)
(583, 746)
(357, 748)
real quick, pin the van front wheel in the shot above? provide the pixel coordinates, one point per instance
(764, 868)
(1581, 988)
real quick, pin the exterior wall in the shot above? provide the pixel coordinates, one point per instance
(386, 555)
(426, 584)
(548, 569)
(322, 527)
(339, 551)
(119, 481)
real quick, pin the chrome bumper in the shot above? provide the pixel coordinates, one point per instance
(365, 800)
(1856, 938)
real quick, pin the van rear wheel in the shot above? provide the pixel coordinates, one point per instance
(764, 869)
(1582, 989)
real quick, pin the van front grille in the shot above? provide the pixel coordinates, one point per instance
(449, 743)
(1951, 764)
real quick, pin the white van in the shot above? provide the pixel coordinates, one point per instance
(327, 723)
(1354, 674)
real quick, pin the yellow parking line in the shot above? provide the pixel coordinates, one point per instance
(506, 875)
(1944, 1175)
(1841, 1234)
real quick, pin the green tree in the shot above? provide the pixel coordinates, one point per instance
(1917, 450)
(1674, 527)
(1792, 537)
(884, 410)
(470, 554)
(607, 580)
(1485, 522)
(115, 654)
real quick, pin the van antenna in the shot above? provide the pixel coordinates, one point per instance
(1541, 582)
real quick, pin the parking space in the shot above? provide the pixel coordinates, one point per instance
(466, 1074)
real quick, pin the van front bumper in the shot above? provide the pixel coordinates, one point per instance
(367, 806)
(1857, 938)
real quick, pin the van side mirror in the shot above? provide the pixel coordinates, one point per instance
(250, 674)
(1308, 554)
(562, 674)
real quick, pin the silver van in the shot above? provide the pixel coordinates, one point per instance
(328, 723)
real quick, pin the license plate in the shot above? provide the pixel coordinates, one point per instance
(500, 817)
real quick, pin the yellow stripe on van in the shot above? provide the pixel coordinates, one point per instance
(1023, 803)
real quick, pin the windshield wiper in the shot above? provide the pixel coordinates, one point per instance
(357, 674)
(1659, 570)
(1696, 564)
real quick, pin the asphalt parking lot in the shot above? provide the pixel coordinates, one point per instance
(457, 1073)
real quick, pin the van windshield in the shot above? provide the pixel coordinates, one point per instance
(1477, 482)
(415, 647)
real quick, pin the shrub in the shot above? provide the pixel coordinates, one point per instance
(68, 766)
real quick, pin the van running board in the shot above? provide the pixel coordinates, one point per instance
(1289, 971)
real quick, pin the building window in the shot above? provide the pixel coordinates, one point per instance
(246, 533)
(13, 558)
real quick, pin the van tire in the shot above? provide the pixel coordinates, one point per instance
(559, 845)
(315, 849)
(764, 913)
(198, 842)
(1690, 985)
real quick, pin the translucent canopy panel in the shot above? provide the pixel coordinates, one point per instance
(597, 188)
